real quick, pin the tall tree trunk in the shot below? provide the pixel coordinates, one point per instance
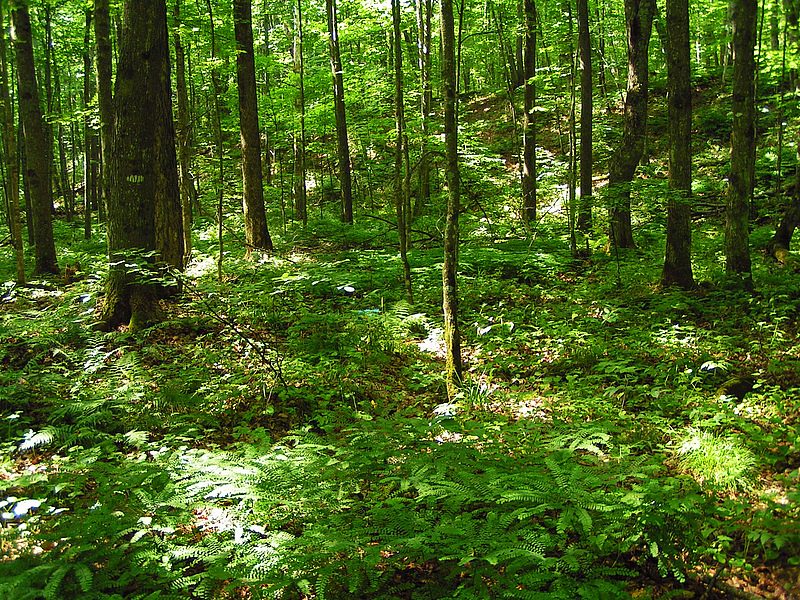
(88, 134)
(740, 181)
(452, 336)
(587, 105)
(401, 179)
(37, 172)
(639, 25)
(48, 85)
(11, 159)
(424, 10)
(102, 35)
(299, 142)
(774, 28)
(529, 117)
(143, 161)
(255, 216)
(678, 259)
(342, 144)
(67, 189)
(217, 88)
(267, 25)
(182, 135)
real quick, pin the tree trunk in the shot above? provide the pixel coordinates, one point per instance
(586, 166)
(217, 88)
(740, 181)
(401, 151)
(424, 11)
(143, 159)
(639, 25)
(678, 259)
(37, 172)
(67, 189)
(529, 117)
(11, 160)
(182, 135)
(342, 145)
(299, 142)
(452, 335)
(88, 133)
(102, 35)
(255, 216)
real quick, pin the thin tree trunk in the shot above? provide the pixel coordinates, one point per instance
(255, 216)
(299, 142)
(217, 88)
(639, 22)
(267, 24)
(88, 134)
(401, 151)
(740, 181)
(102, 34)
(424, 11)
(342, 144)
(587, 106)
(452, 336)
(529, 117)
(678, 259)
(182, 135)
(67, 189)
(11, 160)
(37, 172)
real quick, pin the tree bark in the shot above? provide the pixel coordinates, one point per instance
(88, 132)
(677, 259)
(529, 117)
(37, 171)
(11, 159)
(255, 217)
(740, 181)
(183, 136)
(452, 336)
(401, 178)
(424, 10)
(102, 35)
(342, 144)
(143, 165)
(587, 107)
(299, 142)
(639, 25)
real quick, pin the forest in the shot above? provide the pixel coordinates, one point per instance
(399, 299)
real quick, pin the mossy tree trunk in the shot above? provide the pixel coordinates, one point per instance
(452, 336)
(639, 26)
(255, 218)
(678, 259)
(143, 165)
(102, 36)
(740, 181)
(37, 165)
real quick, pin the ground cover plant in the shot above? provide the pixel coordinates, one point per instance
(284, 420)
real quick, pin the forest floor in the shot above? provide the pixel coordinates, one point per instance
(286, 432)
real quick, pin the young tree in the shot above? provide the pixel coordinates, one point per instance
(639, 25)
(529, 118)
(88, 132)
(182, 135)
(740, 181)
(299, 141)
(102, 36)
(452, 336)
(143, 165)
(37, 168)
(678, 260)
(586, 166)
(255, 217)
(401, 175)
(424, 11)
(342, 145)
(10, 155)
